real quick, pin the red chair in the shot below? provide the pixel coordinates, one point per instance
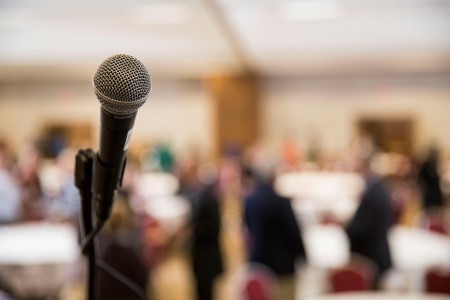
(358, 275)
(255, 282)
(434, 221)
(256, 289)
(438, 281)
(436, 224)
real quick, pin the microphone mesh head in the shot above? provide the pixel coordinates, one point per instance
(122, 84)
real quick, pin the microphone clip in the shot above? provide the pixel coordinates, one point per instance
(104, 187)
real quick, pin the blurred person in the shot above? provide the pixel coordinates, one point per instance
(59, 193)
(232, 150)
(69, 198)
(121, 246)
(26, 172)
(291, 154)
(368, 229)
(165, 157)
(254, 154)
(274, 236)
(430, 181)
(314, 148)
(206, 252)
(207, 257)
(159, 157)
(3, 296)
(10, 202)
(188, 175)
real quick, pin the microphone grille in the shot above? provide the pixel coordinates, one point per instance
(122, 84)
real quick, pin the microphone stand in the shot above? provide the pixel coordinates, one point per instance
(84, 167)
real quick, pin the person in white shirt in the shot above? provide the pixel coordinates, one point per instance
(10, 205)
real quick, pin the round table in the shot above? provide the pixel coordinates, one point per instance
(411, 248)
(418, 249)
(413, 252)
(36, 258)
(378, 296)
(318, 194)
(326, 246)
(171, 211)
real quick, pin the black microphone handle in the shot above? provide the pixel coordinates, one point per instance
(115, 134)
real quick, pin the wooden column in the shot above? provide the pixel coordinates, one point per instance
(236, 103)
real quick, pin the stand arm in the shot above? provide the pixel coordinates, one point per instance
(83, 181)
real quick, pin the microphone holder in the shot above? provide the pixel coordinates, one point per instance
(91, 176)
(84, 168)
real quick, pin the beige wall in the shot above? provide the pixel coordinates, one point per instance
(330, 109)
(182, 112)
(178, 112)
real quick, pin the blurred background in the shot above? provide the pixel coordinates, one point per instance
(309, 87)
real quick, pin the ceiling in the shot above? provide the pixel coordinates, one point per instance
(62, 40)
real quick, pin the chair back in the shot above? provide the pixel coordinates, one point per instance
(434, 220)
(438, 281)
(357, 275)
(254, 282)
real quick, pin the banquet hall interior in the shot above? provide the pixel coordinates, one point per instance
(313, 94)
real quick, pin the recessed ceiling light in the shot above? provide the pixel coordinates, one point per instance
(309, 9)
(160, 13)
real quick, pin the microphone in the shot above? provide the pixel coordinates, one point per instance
(122, 85)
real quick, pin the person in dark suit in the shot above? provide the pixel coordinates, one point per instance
(206, 253)
(429, 180)
(274, 235)
(368, 229)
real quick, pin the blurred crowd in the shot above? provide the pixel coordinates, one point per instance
(38, 185)
(35, 188)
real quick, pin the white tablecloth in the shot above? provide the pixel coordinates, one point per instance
(326, 246)
(411, 248)
(316, 194)
(378, 296)
(418, 249)
(171, 211)
(36, 258)
(156, 194)
(413, 251)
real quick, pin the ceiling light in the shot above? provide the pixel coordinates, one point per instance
(159, 13)
(309, 9)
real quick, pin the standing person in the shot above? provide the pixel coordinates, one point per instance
(206, 253)
(207, 256)
(368, 229)
(274, 234)
(429, 180)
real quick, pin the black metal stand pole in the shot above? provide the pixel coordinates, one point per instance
(83, 180)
